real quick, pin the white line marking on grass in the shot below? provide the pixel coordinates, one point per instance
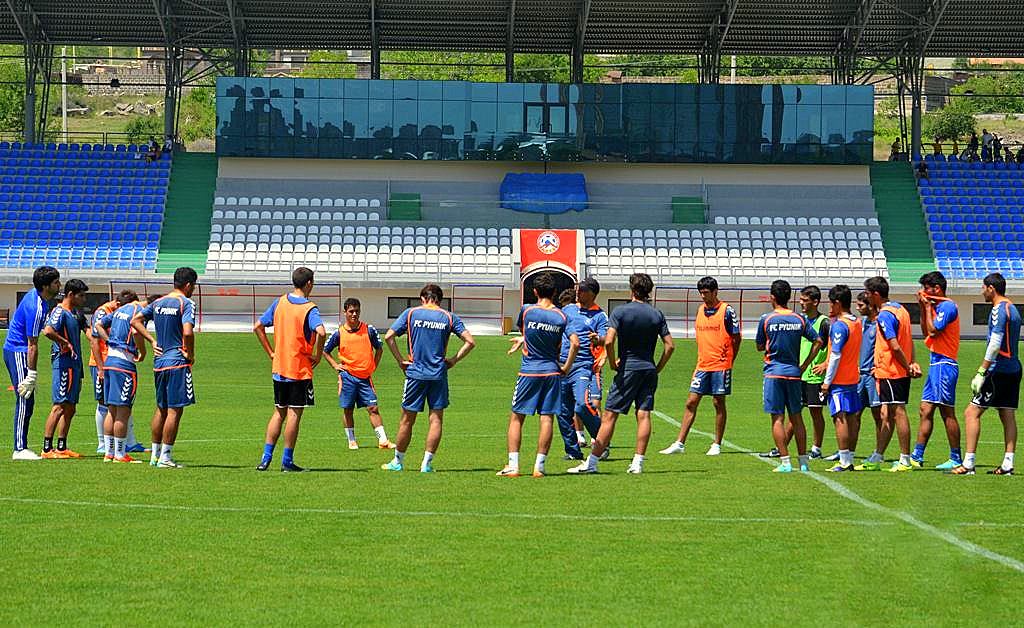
(988, 524)
(905, 517)
(349, 512)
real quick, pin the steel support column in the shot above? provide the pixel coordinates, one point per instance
(510, 52)
(374, 42)
(709, 60)
(576, 64)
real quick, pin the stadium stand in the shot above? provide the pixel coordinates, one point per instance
(904, 232)
(976, 217)
(186, 233)
(88, 207)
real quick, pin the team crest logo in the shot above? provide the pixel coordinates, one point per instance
(548, 242)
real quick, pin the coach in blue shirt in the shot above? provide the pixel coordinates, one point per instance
(21, 352)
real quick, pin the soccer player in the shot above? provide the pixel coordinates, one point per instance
(63, 329)
(940, 325)
(359, 351)
(778, 336)
(97, 356)
(637, 325)
(842, 372)
(426, 369)
(120, 377)
(997, 382)
(894, 368)
(718, 342)
(21, 353)
(299, 336)
(174, 318)
(539, 387)
(810, 299)
(867, 389)
(582, 388)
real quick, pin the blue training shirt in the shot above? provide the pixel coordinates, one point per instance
(309, 326)
(542, 335)
(169, 315)
(27, 322)
(65, 323)
(637, 326)
(119, 328)
(867, 345)
(581, 322)
(1005, 319)
(779, 332)
(428, 328)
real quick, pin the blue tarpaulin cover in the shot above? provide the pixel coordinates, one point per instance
(544, 193)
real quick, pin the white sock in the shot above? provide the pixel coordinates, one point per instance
(969, 460)
(108, 445)
(875, 457)
(154, 453)
(513, 459)
(101, 413)
(382, 436)
(119, 447)
(905, 460)
(580, 437)
(1008, 461)
(129, 438)
(399, 456)
(784, 460)
(803, 460)
(427, 458)
(638, 460)
(592, 461)
(350, 433)
(680, 444)
(539, 464)
(815, 449)
(165, 454)
(845, 457)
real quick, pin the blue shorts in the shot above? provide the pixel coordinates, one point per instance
(712, 382)
(632, 387)
(66, 386)
(783, 396)
(174, 387)
(868, 391)
(537, 394)
(940, 385)
(844, 398)
(581, 394)
(119, 386)
(433, 392)
(97, 384)
(355, 392)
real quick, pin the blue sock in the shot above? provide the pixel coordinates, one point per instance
(918, 452)
(286, 458)
(955, 455)
(268, 453)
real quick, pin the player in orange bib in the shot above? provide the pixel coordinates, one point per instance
(717, 330)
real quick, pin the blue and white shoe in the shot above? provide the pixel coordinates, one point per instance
(101, 449)
(137, 448)
(804, 469)
(948, 465)
(427, 468)
(783, 468)
(394, 465)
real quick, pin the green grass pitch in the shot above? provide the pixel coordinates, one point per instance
(694, 540)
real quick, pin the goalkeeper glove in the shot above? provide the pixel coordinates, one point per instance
(978, 381)
(28, 385)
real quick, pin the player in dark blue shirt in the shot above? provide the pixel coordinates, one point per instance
(426, 366)
(538, 389)
(582, 388)
(21, 353)
(637, 326)
(997, 382)
(174, 318)
(64, 330)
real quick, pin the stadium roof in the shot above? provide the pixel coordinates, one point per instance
(976, 28)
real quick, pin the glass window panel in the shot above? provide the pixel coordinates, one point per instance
(686, 151)
(747, 94)
(833, 94)
(664, 152)
(808, 123)
(356, 118)
(556, 93)
(483, 117)
(257, 87)
(230, 146)
(860, 123)
(307, 88)
(731, 123)
(381, 119)
(636, 118)
(330, 148)
(860, 95)
(573, 93)
(663, 93)
(406, 90)
(609, 119)
(257, 118)
(833, 124)
(636, 93)
(662, 123)
(575, 111)
(429, 90)
(790, 93)
(455, 90)
(709, 94)
(685, 94)
(282, 146)
(785, 124)
(483, 92)
(558, 119)
(533, 92)
(331, 119)
(332, 88)
(256, 146)
(405, 118)
(809, 95)
(534, 121)
(510, 92)
(588, 92)
(282, 88)
(381, 89)
(231, 114)
(282, 115)
(686, 127)
(357, 148)
(453, 118)
(306, 147)
(430, 119)
(230, 86)
(306, 117)
(510, 117)
(639, 151)
(710, 124)
(356, 88)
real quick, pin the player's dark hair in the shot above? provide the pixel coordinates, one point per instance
(44, 276)
(997, 281)
(126, 296)
(877, 284)
(933, 279)
(432, 293)
(544, 286)
(841, 293)
(301, 276)
(567, 297)
(153, 298)
(707, 283)
(641, 285)
(812, 292)
(185, 275)
(350, 302)
(781, 291)
(862, 296)
(75, 286)
(589, 284)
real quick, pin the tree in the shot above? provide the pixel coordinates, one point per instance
(955, 121)
(141, 128)
(198, 114)
(327, 64)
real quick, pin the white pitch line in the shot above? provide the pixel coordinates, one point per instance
(349, 512)
(841, 490)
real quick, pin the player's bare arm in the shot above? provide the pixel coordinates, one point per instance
(261, 334)
(318, 346)
(574, 349)
(391, 342)
(613, 361)
(668, 348)
(468, 344)
(51, 333)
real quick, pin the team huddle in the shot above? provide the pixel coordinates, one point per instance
(839, 360)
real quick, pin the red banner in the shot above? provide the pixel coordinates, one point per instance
(547, 247)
